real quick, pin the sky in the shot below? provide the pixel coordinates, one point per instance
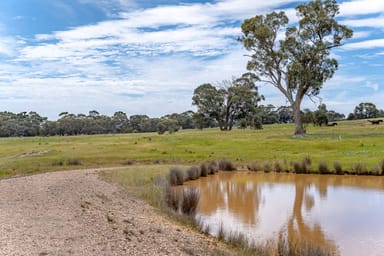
(147, 56)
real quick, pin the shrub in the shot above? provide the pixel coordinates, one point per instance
(254, 167)
(267, 167)
(172, 198)
(338, 168)
(375, 171)
(58, 163)
(74, 161)
(226, 165)
(204, 170)
(193, 173)
(128, 162)
(307, 160)
(176, 176)
(297, 167)
(360, 169)
(190, 201)
(213, 167)
(277, 166)
(323, 167)
(306, 164)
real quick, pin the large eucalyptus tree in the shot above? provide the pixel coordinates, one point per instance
(295, 59)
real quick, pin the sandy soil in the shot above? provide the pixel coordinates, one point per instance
(77, 213)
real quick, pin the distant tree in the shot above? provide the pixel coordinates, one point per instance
(120, 122)
(299, 63)
(268, 114)
(285, 114)
(308, 117)
(233, 100)
(320, 115)
(334, 116)
(366, 110)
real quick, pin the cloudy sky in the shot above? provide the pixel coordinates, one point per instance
(147, 56)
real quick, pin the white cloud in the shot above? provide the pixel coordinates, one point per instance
(373, 86)
(361, 7)
(146, 60)
(374, 22)
(368, 44)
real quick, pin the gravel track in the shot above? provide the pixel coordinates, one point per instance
(77, 213)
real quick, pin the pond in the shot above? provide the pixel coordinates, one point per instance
(343, 212)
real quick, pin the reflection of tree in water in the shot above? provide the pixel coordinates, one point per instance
(240, 198)
(241, 194)
(298, 231)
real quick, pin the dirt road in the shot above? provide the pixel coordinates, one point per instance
(77, 213)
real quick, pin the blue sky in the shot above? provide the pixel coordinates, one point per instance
(146, 57)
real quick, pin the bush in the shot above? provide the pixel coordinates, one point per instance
(297, 167)
(254, 167)
(323, 168)
(213, 167)
(278, 167)
(267, 167)
(226, 165)
(338, 168)
(204, 170)
(190, 201)
(306, 164)
(193, 173)
(74, 161)
(360, 169)
(176, 176)
(172, 198)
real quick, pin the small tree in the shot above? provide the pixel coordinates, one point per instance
(300, 63)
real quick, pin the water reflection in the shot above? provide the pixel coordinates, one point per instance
(335, 212)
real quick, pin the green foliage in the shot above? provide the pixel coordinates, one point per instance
(365, 110)
(231, 101)
(300, 63)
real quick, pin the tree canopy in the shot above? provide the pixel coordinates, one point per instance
(232, 100)
(299, 63)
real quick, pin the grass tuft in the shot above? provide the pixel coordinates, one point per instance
(193, 173)
(226, 165)
(204, 169)
(360, 169)
(74, 161)
(323, 168)
(176, 176)
(338, 168)
(190, 201)
(277, 166)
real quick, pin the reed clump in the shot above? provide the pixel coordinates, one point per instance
(226, 165)
(338, 168)
(189, 201)
(204, 169)
(323, 168)
(193, 173)
(176, 176)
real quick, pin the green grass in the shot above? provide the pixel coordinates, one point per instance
(349, 143)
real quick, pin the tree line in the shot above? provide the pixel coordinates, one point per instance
(254, 116)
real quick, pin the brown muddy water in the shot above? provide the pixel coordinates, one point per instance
(343, 212)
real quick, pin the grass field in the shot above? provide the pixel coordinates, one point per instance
(349, 143)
